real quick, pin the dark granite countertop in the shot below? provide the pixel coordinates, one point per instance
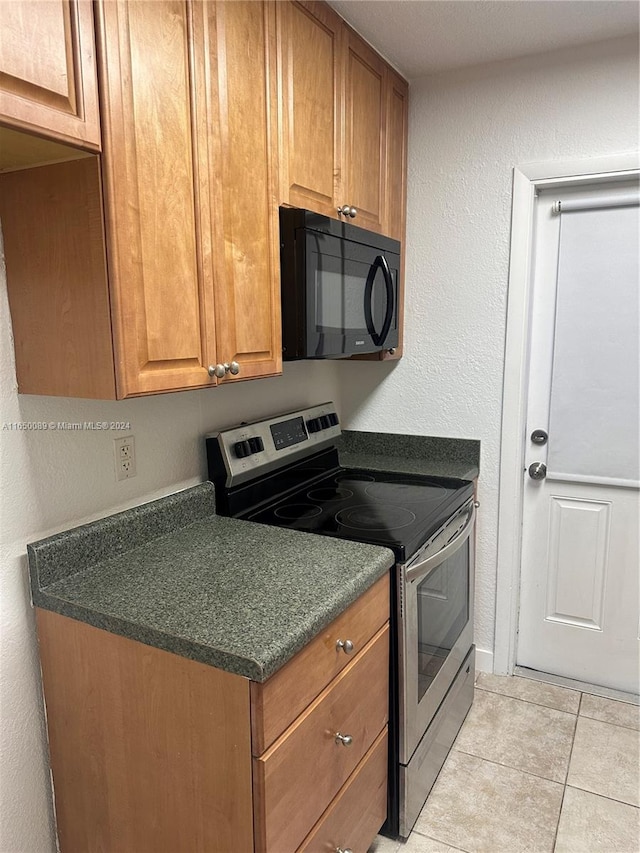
(410, 454)
(233, 594)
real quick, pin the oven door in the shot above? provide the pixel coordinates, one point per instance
(435, 624)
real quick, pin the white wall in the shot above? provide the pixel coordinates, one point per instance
(50, 481)
(467, 130)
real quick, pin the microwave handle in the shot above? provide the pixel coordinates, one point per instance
(379, 263)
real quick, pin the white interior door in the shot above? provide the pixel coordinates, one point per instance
(580, 536)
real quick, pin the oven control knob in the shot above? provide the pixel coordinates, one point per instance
(314, 425)
(256, 444)
(325, 421)
(333, 419)
(242, 449)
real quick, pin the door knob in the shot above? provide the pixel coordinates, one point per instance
(537, 470)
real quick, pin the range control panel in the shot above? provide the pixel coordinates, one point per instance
(252, 449)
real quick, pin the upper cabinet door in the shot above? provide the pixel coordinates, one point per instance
(240, 38)
(365, 110)
(48, 70)
(309, 42)
(160, 286)
(396, 169)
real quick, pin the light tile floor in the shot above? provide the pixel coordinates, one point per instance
(536, 768)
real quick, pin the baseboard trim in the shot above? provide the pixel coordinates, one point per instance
(484, 660)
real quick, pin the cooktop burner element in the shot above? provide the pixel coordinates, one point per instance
(295, 512)
(330, 493)
(375, 517)
(402, 493)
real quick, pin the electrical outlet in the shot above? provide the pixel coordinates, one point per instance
(125, 454)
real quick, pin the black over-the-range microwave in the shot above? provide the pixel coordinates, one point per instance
(339, 287)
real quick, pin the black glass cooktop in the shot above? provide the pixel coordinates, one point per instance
(399, 511)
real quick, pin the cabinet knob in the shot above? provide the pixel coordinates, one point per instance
(344, 850)
(345, 740)
(353, 212)
(344, 210)
(221, 370)
(345, 645)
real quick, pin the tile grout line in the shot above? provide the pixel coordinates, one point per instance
(566, 775)
(603, 797)
(439, 841)
(529, 702)
(508, 766)
(609, 723)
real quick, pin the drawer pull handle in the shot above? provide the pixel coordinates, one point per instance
(345, 645)
(345, 740)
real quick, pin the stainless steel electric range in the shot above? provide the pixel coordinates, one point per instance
(285, 471)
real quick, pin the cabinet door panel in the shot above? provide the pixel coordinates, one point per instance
(310, 49)
(246, 255)
(158, 281)
(365, 118)
(354, 704)
(48, 70)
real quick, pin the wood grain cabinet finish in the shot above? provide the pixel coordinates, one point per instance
(189, 247)
(337, 119)
(300, 774)
(153, 753)
(48, 82)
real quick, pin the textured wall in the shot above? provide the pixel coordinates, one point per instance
(50, 481)
(468, 129)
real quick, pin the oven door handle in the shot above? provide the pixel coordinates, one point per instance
(423, 568)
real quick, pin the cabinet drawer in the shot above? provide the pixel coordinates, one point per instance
(356, 814)
(280, 699)
(296, 779)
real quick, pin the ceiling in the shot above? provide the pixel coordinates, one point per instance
(423, 37)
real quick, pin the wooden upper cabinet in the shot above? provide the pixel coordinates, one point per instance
(241, 56)
(337, 120)
(48, 70)
(365, 110)
(396, 167)
(160, 288)
(309, 42)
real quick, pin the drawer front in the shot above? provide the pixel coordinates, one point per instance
(296, 779)
(277, 702)
(356, 814)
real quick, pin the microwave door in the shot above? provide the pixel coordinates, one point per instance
(378, 338)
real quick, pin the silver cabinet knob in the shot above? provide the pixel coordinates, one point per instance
(353, 212)
(221, 370)
(345, 645)
(537, 470)
(344, 210)
(343, 850)
(345, 740)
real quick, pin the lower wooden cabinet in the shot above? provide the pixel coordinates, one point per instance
(151, 752)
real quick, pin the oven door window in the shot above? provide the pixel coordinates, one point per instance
(443, 612)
